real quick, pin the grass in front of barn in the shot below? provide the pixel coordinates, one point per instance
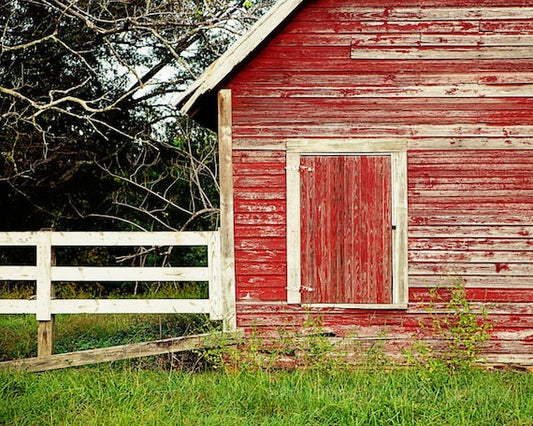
(18, 333)
(124, 394)
(246, 384)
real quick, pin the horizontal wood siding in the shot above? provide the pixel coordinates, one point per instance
(470, 210)
(470, 215)
(260, 225)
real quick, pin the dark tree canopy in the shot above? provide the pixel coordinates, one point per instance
(89, 135)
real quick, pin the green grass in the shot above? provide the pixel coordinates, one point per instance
(124, 395)
(244, 387)
(18, 333)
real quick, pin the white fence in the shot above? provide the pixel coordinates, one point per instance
(45, 272)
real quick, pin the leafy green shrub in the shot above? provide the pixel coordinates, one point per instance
(460, 330)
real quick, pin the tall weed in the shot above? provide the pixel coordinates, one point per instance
(310, 347)
(456, 334)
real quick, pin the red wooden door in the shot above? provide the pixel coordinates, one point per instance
(346, 229)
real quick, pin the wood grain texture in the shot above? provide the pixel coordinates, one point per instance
(43, 276)
(227, 235)
(294, 237)
(45, 338)
(346, 229)
(453, 80)
(259, 179)
(504, 319)
(352, 12)
(116, 353)
(443, 53)
(457, 195)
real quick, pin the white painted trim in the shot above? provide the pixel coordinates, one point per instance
(216, 291)
(132, 238)
(17, 306)
(110, 306)
(44, 276)
(130, 306)
(400, 287)
(18, 273)
(400, 144)
(93, 238)
(397, 150)
(227, 237)
(19, 238)
(293, 228)
(347, 146)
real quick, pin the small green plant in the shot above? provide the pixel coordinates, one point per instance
(257, 351)
(315, 347)
(456, 333)
(374, 357)
(310, 347)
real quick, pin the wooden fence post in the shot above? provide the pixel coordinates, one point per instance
(216, 294)
(45, 260)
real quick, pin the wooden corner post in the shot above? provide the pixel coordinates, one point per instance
(45, 293)
(226, 209)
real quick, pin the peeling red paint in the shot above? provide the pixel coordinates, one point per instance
(501, 267)
(470, 211)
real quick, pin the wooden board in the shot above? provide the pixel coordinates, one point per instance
(260, 224)
(284, 315)
(227, 235)
(116, 353)
(443, 53)
(352, 12)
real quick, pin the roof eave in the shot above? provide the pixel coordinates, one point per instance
(225, 66)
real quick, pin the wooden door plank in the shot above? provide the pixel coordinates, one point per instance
(352, 226)
(367, 185)
(337, 210)
(321, 214)
(308, 230)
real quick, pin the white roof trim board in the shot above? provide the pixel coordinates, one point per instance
(237, 53)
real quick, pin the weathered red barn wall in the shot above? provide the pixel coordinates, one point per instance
(470, 211)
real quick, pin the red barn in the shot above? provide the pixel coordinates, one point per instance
(372, 151)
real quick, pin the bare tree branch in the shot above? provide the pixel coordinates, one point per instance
(85, 93)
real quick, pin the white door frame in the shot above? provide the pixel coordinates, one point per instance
(397, 149)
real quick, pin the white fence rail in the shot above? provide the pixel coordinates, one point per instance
(45, 272)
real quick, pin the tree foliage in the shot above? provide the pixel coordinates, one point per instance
(89, 134)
